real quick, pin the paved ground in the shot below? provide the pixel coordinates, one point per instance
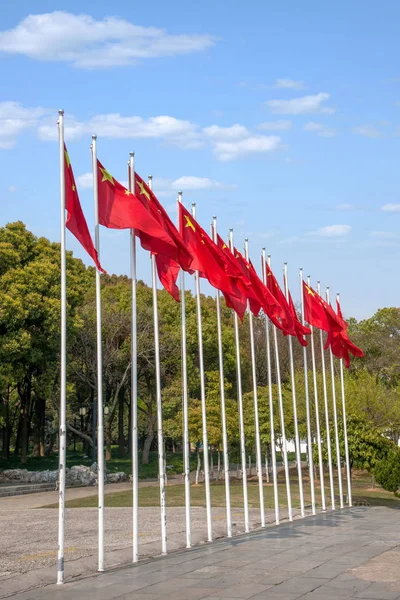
(343, 555)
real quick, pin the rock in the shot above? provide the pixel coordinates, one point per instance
(116, 477)
(81, 475)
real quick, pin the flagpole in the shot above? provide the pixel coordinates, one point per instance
(346, 441)
(134, 415)
(271, 403)
(186, 442)
(282, 417)
(335, 421)
(240, 408)
(160, 437)
(307, 395)
(100, 419)
(222, 394)
(63, 366)
(328, 434)
(296, 426)
(255, 398)
(315, 383)
(203, 402)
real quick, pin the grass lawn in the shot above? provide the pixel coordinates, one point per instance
(149, 496)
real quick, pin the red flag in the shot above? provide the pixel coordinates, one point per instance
(301, 330)
(121, 209)
(318, 313)
(76, 222)
(340, 343)
(208, 259)
(285, 315)
(259, 295)
(238, 300)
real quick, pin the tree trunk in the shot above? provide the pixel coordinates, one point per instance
(149, 439)
(129, 430)
(38, 431)
(25, 411)
(121, 438)
(108, 438)
(219, 464)
(7, 428)
(198, 464)
(266, 466)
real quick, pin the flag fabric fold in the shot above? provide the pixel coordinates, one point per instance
(341, 344)
(76, 222)
(211, 261)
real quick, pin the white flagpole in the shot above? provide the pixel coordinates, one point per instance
(335, 421)
(296, 425)
(186, 441)
(134, 415)
(255, 398)
(319, 443)
(222, 393)
(308, 418)
(328, 434)
(160, 437)
(62, 457)
(346, 441)
(271, 403)
(203, 402)
(240, 408)
(282, 417)
(100, 419)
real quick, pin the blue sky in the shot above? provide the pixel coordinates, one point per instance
(284, 121)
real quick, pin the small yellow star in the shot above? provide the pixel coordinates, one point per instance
(189, 223)
(67, 159)
(128, 193)
(143, 191)
(224, 246)
(73, 188)
(107, 176)
(309, 290)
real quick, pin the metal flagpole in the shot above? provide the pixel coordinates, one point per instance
(315, 383)
(255, 397)
(296, 425)
(307, 395)
(335, 421)
(328, 434)
(203, 402)
(160, 437)
(100, 419)
(282, 417)
(186, 442)
(271, 403)
(240, 408)
(346, 441)
(62, 457)
(134, 414)
(222, 393)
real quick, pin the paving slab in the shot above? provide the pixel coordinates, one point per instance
(358, 562)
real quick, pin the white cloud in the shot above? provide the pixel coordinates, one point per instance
(280, 125)
(391, 208)
(114, 125)
(253, 144)
(187, 183)
(15, 119)
(290, 84)
(87, 43)
(384, 235)
(12, 188)
(345, 207)
(85, 180)
(368, 131)
(320, 129)
(226, 133)
(332, 231)
(301, 106)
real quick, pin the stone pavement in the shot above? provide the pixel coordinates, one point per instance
(349, 554)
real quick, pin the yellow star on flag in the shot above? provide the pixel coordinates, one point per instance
(189, 223)
(107, 176)
(224, 246)
(128, 193)
(67, 159)
(143, 191)
(309, 290)
(73, 188)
